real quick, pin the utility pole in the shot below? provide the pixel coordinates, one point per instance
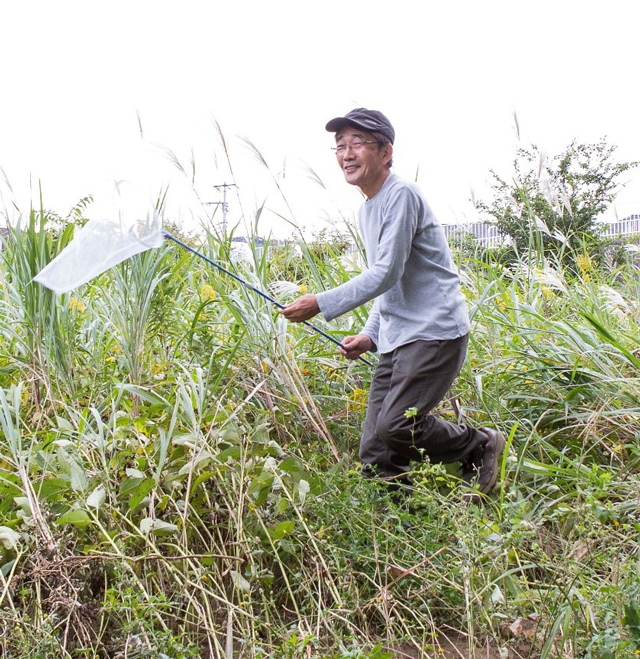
(225, 206)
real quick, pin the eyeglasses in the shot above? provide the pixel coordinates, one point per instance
(355, 145)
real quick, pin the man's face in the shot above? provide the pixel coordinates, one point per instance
(366, 165)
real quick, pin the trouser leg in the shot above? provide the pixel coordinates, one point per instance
(417, 375)
(375, 454)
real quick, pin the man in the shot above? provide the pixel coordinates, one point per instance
(418, 322)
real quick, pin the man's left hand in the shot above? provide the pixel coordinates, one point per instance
(303, 308)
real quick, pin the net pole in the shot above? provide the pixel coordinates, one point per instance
(251, 287)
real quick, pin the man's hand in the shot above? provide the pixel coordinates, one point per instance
(354, 346)
(303, 308)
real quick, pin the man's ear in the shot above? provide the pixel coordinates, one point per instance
(387, 153)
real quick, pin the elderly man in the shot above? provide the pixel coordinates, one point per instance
(418, 322)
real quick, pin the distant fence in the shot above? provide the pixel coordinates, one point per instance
(485, 234)
(625, 227)
(488, 235)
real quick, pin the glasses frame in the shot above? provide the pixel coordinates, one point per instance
(356, 145)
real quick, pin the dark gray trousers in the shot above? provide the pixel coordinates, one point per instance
(416, 375)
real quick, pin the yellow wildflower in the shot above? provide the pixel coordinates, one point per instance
(585, 265)
(357, 399)
(76, 304)
(302, 288)
(207, 292)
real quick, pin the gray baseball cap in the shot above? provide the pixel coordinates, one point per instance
(369, 120)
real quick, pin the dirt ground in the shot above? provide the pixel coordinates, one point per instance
(457, 647)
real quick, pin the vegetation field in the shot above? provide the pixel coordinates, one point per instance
(179, 474)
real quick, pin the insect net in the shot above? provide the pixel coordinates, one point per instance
(133, 226)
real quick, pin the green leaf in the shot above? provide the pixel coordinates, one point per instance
(260, 487)
(51, 487)
(64, 424)
(378, 653)
(205, 475)
(79, 481)
(97, 497)
(9, 538)
(281, 530)
(141, 492)
(128, 485)
(230, 454)
(606, 334)
(201, 460)
(75, 517)
(631, 620)
(163, 528)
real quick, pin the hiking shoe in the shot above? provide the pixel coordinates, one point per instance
(470, 471)
(481, 472)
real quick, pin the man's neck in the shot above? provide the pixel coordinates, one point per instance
(375, 187)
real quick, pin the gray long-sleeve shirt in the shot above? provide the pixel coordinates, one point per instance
(411, 274)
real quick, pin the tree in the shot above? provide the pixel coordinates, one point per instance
(557, 199)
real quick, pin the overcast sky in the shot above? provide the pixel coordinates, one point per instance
(79, 79)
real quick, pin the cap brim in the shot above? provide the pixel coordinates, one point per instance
(340, 122)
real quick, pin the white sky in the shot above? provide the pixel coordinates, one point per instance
(449, 75)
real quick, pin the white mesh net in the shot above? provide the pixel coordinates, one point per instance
(133, 226)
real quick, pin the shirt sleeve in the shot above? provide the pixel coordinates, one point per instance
(372, 326)
(393, 245)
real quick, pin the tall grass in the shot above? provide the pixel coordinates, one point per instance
(38, 330)
(185, 484)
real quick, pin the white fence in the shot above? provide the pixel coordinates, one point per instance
(629, 225)
(485, 234)
(488, 235)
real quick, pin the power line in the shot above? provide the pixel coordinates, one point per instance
(225, 206)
